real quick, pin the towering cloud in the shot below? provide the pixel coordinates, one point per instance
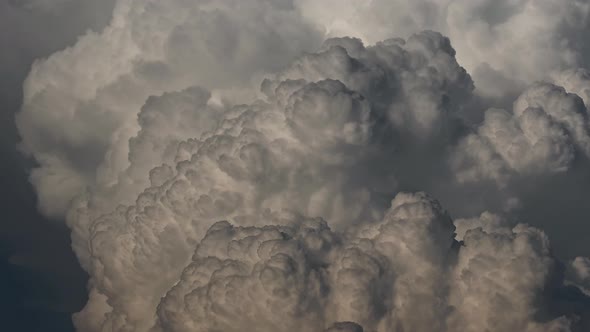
(222, 169)
(81, 104)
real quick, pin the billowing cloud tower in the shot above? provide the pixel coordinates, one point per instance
(273, 165)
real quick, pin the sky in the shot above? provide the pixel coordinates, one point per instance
(296, 165)
(41, 281)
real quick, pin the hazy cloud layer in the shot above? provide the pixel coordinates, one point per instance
(223, 168)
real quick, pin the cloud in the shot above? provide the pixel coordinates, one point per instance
(516, 263)
(80, 104)
(579, 273)
(403, 272)
(575, 81)
(267, 165)
(504, 44)
(546, 130)
(198, 202)
(249, 159)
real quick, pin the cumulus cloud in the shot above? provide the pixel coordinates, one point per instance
(579, 273)
(575, 81)
(80, 104)
(404, 271)
(546, 130)
(503, 43)
(251, 160)
(223, 169)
